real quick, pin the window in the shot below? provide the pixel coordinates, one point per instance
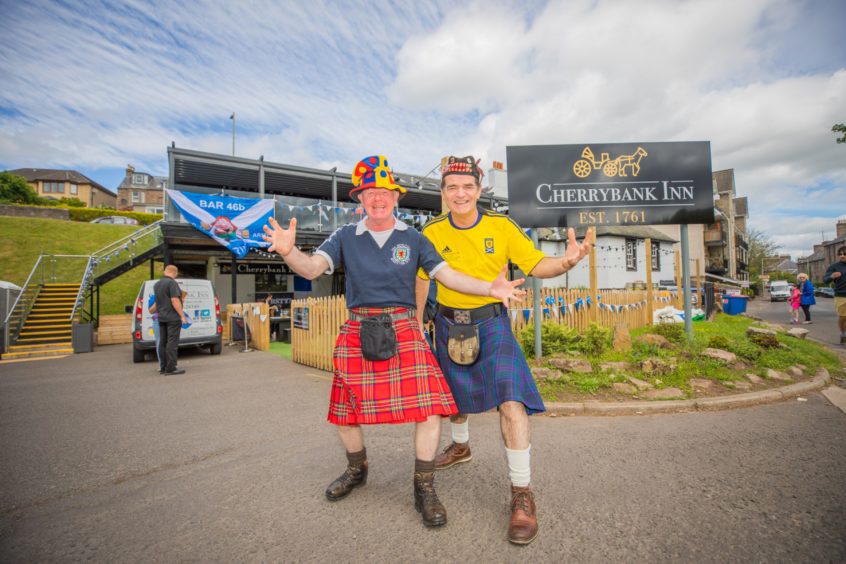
(54, 187)
(74, 189)
(136, 196)
(139, 179)
(631, 254)
(150, 209)
(656, 256)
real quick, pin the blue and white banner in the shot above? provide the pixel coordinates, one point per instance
(235, 223)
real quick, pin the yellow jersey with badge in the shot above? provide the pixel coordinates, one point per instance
(480, 251)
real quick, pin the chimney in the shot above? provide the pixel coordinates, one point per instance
(129, 170)
(841, 227)
(818, 248)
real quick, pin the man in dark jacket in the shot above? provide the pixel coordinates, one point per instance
(837, 273)
(171, 318)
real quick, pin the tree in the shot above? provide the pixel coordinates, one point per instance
(840, 128)
(15, 190)
(761, 249)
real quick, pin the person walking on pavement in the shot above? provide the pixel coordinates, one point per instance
(807, 299)
(171, 318)
(836, 273)
(475, 345)
(384, 370)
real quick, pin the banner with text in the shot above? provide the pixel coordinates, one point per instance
(610, 184)
(235, 223)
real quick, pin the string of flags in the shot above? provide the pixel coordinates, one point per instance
(553, 309)
(323, 210)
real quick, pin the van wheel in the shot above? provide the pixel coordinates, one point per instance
(216, 348)
(138, 356)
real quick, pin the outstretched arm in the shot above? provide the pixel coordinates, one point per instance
(549, 267)
(501, 288)
(282, 241)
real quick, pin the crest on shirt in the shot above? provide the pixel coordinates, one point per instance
(489, 246)
(400, 254)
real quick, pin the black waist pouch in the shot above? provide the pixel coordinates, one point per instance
(378, 338)
(463, 344)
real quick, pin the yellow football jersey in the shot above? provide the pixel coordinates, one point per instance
(480, 251)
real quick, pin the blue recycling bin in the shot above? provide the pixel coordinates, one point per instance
(734, 305)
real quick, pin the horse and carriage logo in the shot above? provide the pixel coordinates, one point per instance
(609, 167)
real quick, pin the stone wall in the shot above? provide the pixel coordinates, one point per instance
(32, 211)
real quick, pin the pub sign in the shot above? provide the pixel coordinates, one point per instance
(597, 184)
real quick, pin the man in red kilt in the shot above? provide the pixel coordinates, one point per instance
(384, 369)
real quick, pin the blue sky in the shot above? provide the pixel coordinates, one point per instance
(94, 86)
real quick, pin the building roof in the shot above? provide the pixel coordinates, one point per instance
(786, 265)
(819, 255)
(58, 175)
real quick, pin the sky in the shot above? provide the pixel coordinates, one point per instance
(94, 86)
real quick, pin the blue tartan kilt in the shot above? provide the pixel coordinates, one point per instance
(500, 373)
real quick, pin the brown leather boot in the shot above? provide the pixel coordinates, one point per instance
(455, 453)
(523, 527)
(355, 475)
(426, 500)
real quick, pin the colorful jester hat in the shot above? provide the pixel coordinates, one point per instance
(373, 172)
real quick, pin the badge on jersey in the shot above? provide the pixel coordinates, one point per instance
(489, 246)
(400, 254)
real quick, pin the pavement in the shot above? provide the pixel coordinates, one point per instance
(106, 460)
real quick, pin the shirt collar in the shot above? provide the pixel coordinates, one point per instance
(361, 227)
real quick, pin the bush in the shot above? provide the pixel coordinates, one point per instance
(673, 332)
(746, 350)
(15, 190)
(87, 214)
(555, 338)
(595, 340)
(719, 342)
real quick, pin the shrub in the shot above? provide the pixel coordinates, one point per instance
(555, 338)
(746, 350)
(673, 332)
(719, 342)
(14, 189)
(595, 340)
(87, 214)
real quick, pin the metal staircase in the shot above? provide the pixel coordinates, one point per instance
(64, 289)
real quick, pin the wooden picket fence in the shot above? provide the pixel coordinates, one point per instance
(313, 346)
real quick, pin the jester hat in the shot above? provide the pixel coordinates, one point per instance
(373, 172)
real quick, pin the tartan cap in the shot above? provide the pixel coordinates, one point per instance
(462, 165)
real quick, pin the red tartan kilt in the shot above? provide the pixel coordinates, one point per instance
(406, 388)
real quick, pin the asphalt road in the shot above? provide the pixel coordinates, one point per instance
(108, 461)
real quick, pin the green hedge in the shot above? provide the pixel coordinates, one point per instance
(87, 214)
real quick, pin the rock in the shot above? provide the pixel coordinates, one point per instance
(798, 332)
(656, 340)
(624, 388)
(719, 354)
(664, 394)
(795, 372)
(762, 337)
(776, 375)
(622, 338)
(614, 366)
(701, 383)
(545, 374)
(739, 385)
(639, 384)
(571, 364)
(754, 378)
(657, 366)
(768, 326)
(740, 366)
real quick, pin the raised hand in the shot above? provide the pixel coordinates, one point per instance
(505, 290)
(281, 240)
(575, 251)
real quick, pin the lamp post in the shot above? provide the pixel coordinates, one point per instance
(232, 117)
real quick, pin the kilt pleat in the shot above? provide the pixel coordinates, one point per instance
(500, 374)
(409, 387)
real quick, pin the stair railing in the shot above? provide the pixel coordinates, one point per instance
(87, 277)
(124, 250)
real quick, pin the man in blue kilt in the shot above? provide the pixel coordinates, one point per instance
(475, 346)
(384, 370)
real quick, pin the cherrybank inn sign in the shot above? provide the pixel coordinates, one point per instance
(610, 184)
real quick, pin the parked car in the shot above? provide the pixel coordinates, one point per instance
(779, 291)
(825, 292)
(200, 304)
(116, 220)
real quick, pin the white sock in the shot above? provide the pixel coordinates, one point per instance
(460, 432)
(519, 466)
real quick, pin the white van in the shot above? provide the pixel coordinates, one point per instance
(779, 291)
(201, 307)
